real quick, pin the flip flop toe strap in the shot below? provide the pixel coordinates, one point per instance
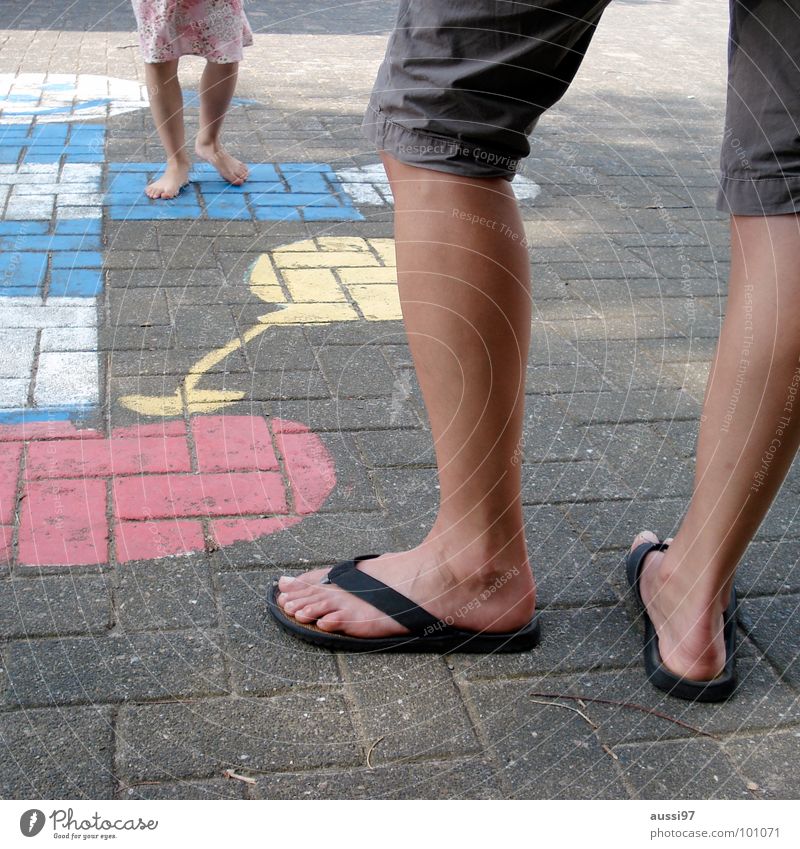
(410, 615)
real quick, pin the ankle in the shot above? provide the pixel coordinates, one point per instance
(678, 583)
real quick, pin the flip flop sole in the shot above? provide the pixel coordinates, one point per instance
(525, 639)
(717, 690)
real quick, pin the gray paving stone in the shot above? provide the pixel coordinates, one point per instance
(409, 708)
(566, 573)
(170, 361)
(408, 494)
(263, 660)
(396, 449)
(458, 779)
(176, 593)
(630, 406)
(138, 307)
(321, 539)
(356, 372)
(55, 606)
(545, 752)
(113, 669)
(576, 639)
(769, 761)
(613, 524)
(57, 753)
(776, 632)
(284, 385)
(202, 738)
(680, 769)
(769, 567)
(761, 701)
(351, 414)
(548, 435)
(550, 483)
(225, 788)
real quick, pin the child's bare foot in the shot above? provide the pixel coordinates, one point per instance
(690, 628)
(472, 592)
(229, 167)
(174, 178)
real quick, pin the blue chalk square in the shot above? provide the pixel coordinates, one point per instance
(23, 228)
(48, 243)
(85, 157)
(276, 213)
(42, 158)
(220, 212)
(135, 167)
(77, 259)
(126, 182)
(219, 187)
(305, 166)
(263, 172)
(77, 283)
(307, 182)
(80, 226)
(153, 213)
(22, 269)
(311, 213)
(19, 291)
(9, 154)
(294, 199)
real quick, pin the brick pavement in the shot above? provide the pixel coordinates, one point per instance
(234, 396)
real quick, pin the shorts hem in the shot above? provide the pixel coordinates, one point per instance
(437, 152)
(760, 197)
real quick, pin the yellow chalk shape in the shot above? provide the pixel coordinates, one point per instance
(377, 303)
(270, 294)
(385, 250)
(362, 276)
(313, 284)
(312, 313)
(324, 259)
(343, 243)
(263, 274)
(328, 279)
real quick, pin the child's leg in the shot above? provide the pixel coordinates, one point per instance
(217, 86)
(166, 104)
(749, 435)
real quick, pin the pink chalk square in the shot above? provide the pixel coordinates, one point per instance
(6, 533)
(120, 456)
(151, 540)
(9, 473)
(309, 467)
(63, 523)
(169, 496)
(233, 443)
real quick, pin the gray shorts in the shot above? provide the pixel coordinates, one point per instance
(760, 160)
(465, 81)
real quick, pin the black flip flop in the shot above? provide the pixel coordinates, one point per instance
(426, 632)
(716, 690)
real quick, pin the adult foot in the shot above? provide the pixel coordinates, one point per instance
(465, 590)
(689, 626)
(229, 167)
(174, 178)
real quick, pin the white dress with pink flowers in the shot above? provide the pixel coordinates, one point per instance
(215, 29)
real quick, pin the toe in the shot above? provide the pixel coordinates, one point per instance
(644, 536)
(312, 612)
(331, 622)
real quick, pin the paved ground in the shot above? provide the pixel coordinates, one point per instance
(171, 439)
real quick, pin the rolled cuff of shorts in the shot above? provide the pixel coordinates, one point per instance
(765, 196)
(439, 153)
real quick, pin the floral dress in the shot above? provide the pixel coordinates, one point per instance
(215, 29)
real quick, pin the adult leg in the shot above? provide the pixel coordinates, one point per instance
(217, 87)
(748, 438)
(463, 276)
(166, 105)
